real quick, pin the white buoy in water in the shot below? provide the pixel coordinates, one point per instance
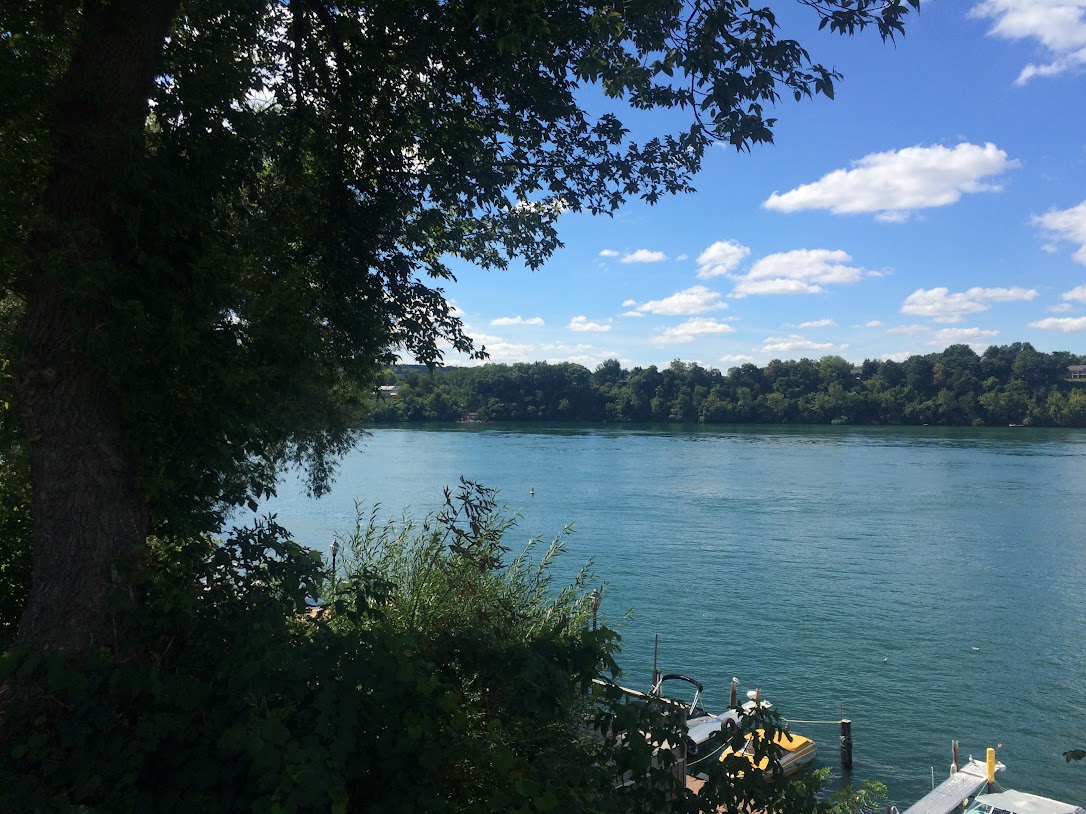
(532, 491)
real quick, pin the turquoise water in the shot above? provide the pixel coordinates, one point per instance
(930, 583)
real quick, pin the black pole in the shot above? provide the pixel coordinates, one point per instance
(846, 744)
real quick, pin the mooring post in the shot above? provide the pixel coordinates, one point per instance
(846, 744)
(655, 670)
(990, 766)
(953, 757)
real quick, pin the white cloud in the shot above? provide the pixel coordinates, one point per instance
(874, 323)
(608, 253)
(561, 347)
(1076, 294)
(801, 271)
(632, 314)
(735, 359)
(691, 329)
(517, 320)
(629, 303)
(1066, 224)
(908, 329)
(976, 338)
(1058, 25)
(581, 323)
(688, 302)
(1063, 325)
(721, 258)
(681, 257)
(1062, 308)
(502, 351)
(789, 344)
(893, 184)
(643, 256)
(818, 323)
(939, 305)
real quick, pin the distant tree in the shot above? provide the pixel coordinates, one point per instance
(607, 373)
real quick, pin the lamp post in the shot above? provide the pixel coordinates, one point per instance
(335, 553)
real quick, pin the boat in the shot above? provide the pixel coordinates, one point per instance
(1019, 802)
(796, 752)
(707, 734)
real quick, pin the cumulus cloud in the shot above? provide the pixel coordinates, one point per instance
(893, 184)
(1063, 325)
(735, 359)
(1068, 225)
(517, 320)
(802, 271)
(873, 323)
(643, 256)
(681, 257)
(608, 253)
(790, 344)
(629, 303)
(818, 323)
(940, 305)
(976, 338)
(562, 348)
(688, 302)
(502, 351)
(581, 323)
(1076, 294)
(691, 329)
(1058, 25)
(721, 258)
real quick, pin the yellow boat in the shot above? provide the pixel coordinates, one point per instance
(796, 751)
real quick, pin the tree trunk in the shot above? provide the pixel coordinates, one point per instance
(89, 514)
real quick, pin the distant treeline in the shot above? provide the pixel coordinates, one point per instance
(1007, 384)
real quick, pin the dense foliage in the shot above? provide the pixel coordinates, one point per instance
(221, 218)
(436, 675)
(1007, 384)
(15, 528)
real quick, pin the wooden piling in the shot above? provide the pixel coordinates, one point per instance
(846, 744)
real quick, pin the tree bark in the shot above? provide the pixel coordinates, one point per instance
(89, 513)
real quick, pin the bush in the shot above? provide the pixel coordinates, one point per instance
(433, 676)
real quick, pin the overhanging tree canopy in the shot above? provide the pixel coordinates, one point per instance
(219, 218)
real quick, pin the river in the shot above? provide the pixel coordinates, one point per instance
(928, 583)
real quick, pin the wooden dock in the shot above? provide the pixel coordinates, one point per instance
(960, 786)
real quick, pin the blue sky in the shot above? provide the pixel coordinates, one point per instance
(939, 199)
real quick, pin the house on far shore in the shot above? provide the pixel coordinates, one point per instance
(388, 391)
(1076, 371)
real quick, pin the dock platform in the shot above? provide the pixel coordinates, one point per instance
(949, 794)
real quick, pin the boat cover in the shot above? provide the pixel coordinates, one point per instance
(1018, 802)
